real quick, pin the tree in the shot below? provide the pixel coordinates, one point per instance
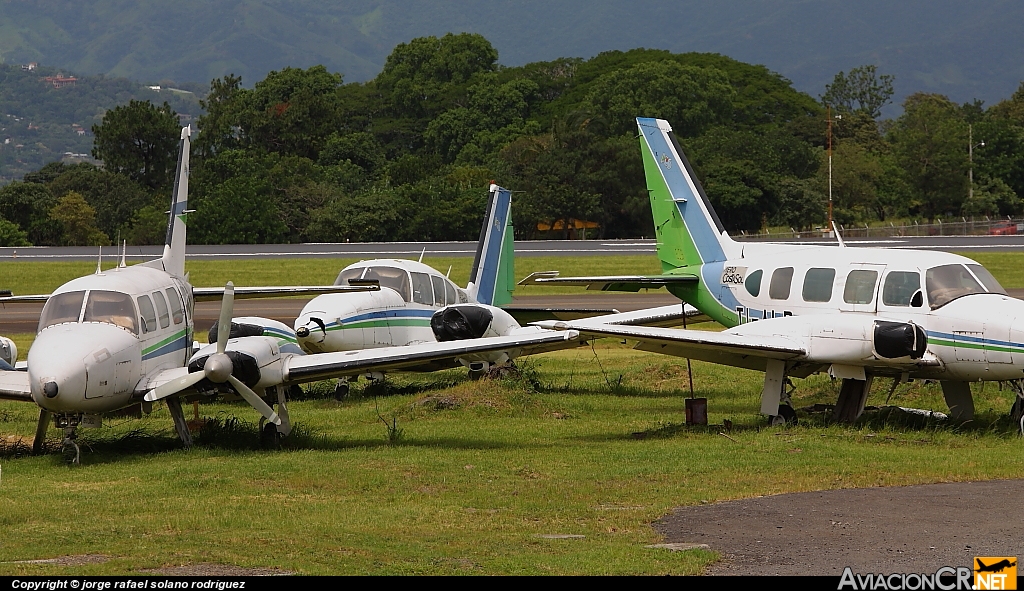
(139, 140)
(28, 206)
(690, 97)
(930, 145)
(116, 199)
(12, 235)
(77, 219)
(862, 90)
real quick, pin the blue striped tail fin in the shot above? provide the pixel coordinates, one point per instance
(492, 277)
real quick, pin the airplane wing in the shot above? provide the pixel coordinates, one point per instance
(13, 299)
(202, 294)
(322, 366)
(609, 282)
(671, 315)
(14, 386)
(525, 316)
(716, 347)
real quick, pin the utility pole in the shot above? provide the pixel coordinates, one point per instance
(970, 159)
(830, 118)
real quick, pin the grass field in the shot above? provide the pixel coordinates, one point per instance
(478, 475)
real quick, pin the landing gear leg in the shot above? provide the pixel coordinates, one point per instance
(69, 449)
(39, 443)
(341, 390)
(282, 411)
(775, 398)
(1017, 410)
(786, 414)
(180, 424)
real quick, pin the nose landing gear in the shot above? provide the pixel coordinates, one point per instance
(69, 447)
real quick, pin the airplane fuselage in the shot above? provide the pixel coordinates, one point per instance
(101, 336)
(973, 327)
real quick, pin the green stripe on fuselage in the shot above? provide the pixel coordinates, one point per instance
(164, 341)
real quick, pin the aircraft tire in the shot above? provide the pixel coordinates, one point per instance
(269, 436)
(341, 391)
(786, 416)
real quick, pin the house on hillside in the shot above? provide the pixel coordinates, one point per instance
(29, 66)
(60, 80)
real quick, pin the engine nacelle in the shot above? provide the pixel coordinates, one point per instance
(255, 349)
(471, 321)
(8, 353)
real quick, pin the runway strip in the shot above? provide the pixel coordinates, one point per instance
(903, 529)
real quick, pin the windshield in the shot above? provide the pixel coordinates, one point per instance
(987, 279)
(64, 307)
(111, 307)
(948, 282)
(391, 277)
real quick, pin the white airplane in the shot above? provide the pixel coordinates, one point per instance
(794, 310)
(123, 337)
(417, 304)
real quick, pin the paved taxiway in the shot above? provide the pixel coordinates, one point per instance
(901, 529)
(524, 248)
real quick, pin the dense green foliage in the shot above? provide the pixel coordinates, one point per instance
(303, 156)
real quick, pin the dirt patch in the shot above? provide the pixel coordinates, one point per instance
(216, 570)
(878, 530)
(78, 560)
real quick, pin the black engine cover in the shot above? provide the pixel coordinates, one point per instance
(899, 339)
(243, 367)
(237, 330)
(456, 323)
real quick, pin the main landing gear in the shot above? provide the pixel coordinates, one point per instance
(775, 398)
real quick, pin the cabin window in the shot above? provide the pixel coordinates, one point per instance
(948, 282)
(421, 290)
(161, 308)
(177, 314)
(449, 293)
(818, 285)
(753, 283)
(61, 308)
(391, 278)
(111, 307)
(899, 287)
(148, 314)
(782, 280)
(860, 287)
(348, 274)
(438, 290)
(987, 279)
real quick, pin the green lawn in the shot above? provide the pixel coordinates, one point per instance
(587, 442)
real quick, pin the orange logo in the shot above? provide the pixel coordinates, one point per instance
(995, 572)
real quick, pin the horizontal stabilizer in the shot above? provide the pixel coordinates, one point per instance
(609, 282)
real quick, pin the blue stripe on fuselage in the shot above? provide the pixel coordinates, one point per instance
(704, 236)
(168, 348)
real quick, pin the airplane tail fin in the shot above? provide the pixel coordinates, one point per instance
(686, 226)
(174, 245)
(492, 277)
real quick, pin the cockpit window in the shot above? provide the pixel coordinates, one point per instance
(64, 307)
(111, 307)
(948, 282)
(987, 279)
(391, 277)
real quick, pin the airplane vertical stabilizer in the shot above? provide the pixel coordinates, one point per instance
(174, 245)
(491, 279)
(686, 226)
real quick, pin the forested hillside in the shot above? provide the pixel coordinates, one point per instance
(39, 123)
(303, 156)
(965, 50)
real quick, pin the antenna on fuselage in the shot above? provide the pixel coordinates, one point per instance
(421, 255)
(839, 236)
(99, 263)
(124, 251)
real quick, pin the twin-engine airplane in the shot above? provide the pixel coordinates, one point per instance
(124, 337)
(794, 310)
(416, 304)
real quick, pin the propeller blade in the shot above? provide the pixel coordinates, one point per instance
(174, 386)
(256, 402)
(227, 305)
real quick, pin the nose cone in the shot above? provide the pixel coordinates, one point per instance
(61, 359)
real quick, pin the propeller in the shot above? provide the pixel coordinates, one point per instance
(218, 366)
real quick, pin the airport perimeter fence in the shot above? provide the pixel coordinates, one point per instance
(957, 227)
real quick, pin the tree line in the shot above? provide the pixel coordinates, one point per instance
(303, 157)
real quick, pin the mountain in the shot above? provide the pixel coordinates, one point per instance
(47, 115)
(964, 50)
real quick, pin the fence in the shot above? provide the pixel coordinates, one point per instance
(957, 227)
